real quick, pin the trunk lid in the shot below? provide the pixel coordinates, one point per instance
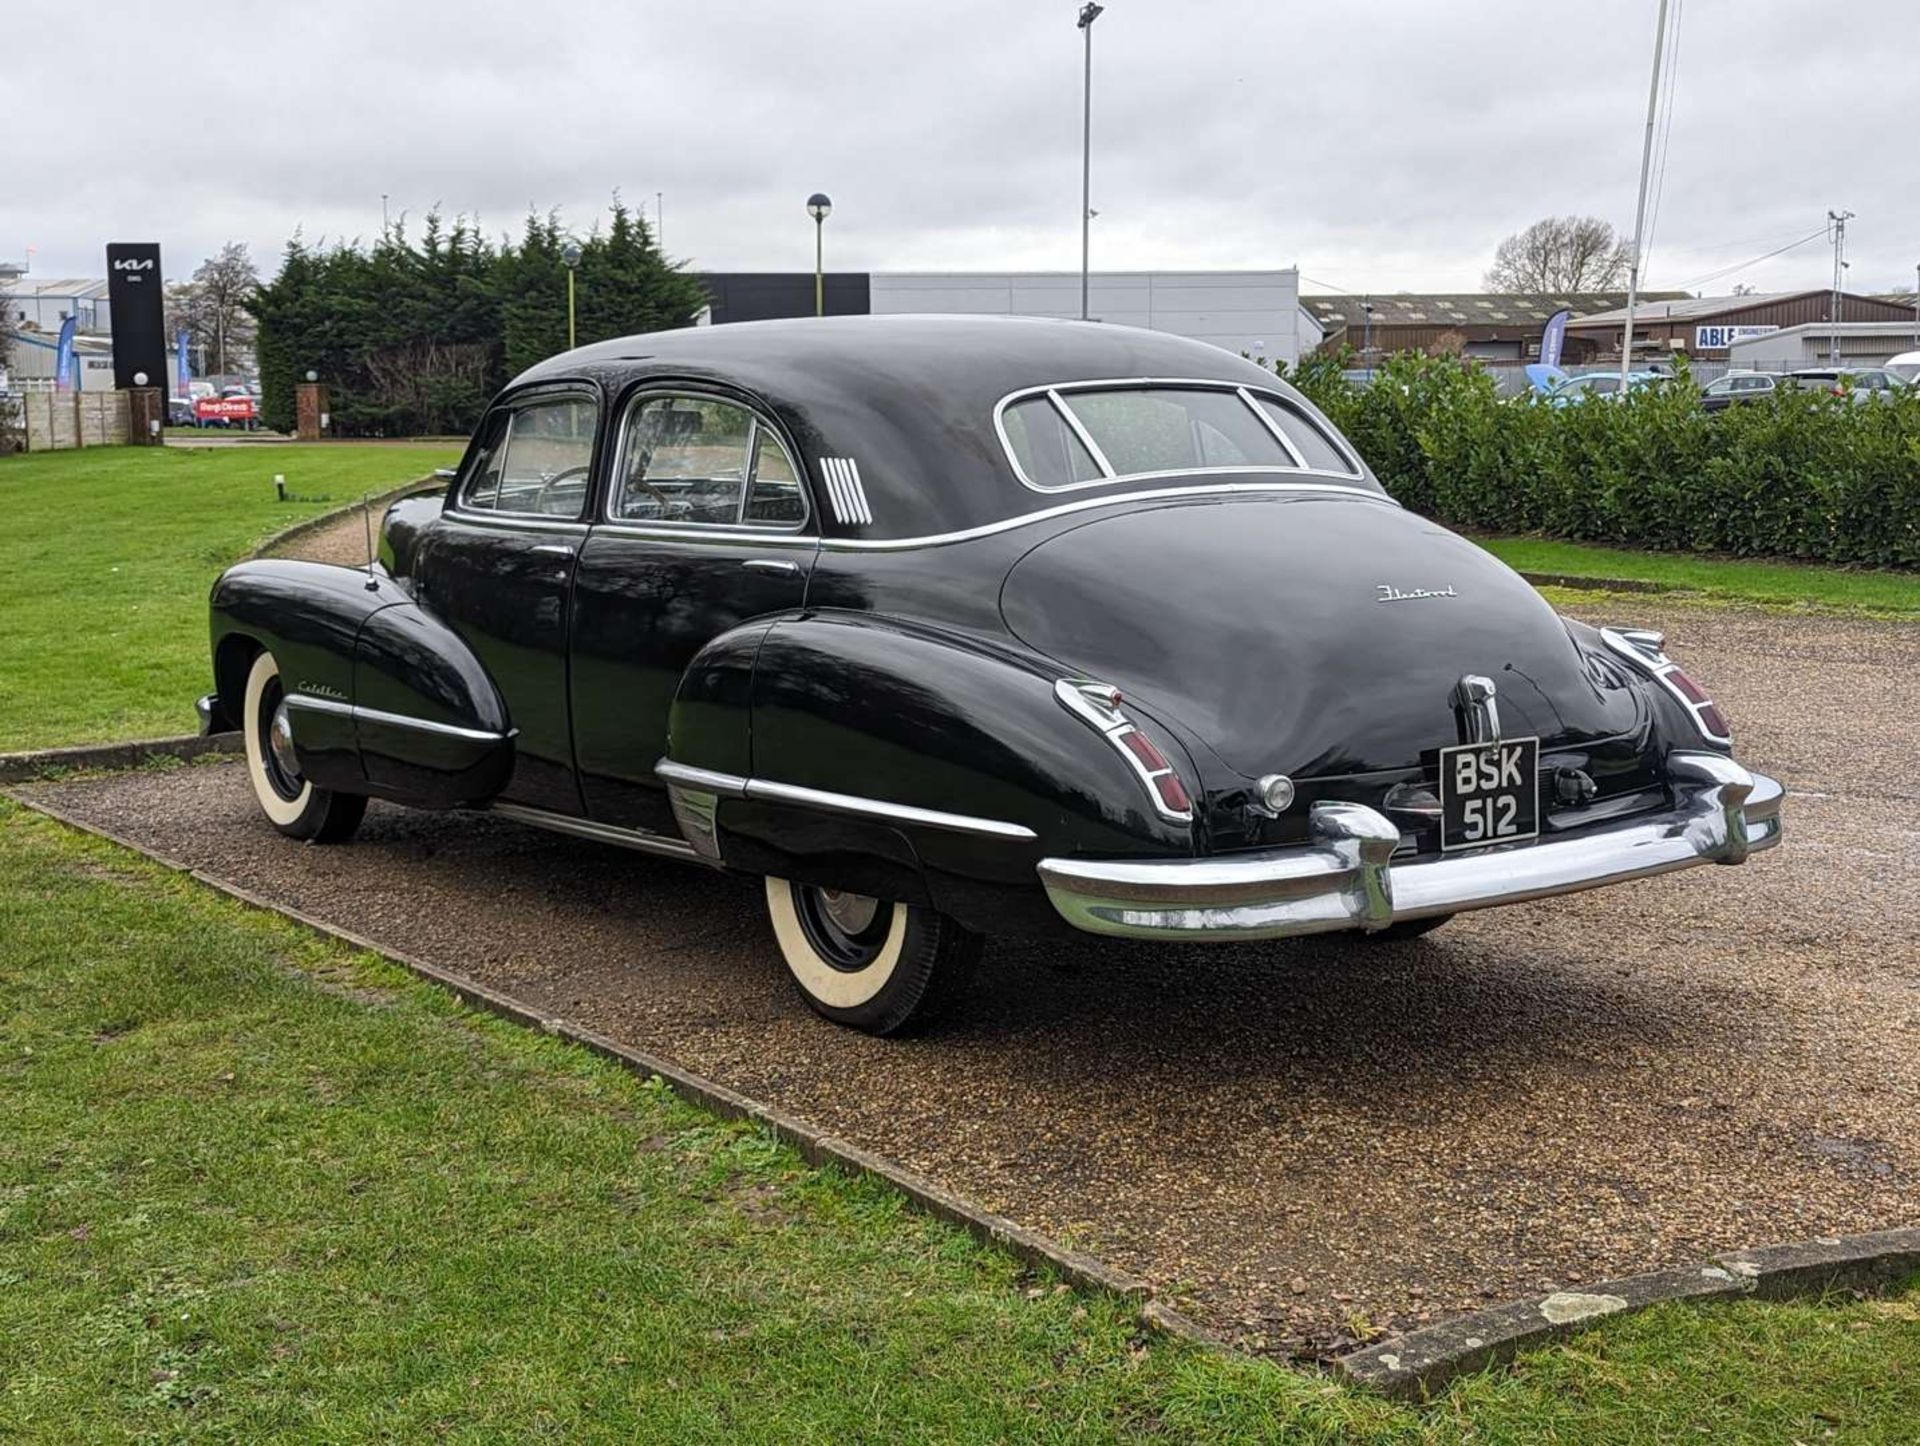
(1310, 634)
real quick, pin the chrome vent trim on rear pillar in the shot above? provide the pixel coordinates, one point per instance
(844, 490)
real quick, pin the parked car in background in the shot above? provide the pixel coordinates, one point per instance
(1718, 395)
(1863, 384)
(180, 412)
(942, 627)
(1575, 390)
(1906, 366)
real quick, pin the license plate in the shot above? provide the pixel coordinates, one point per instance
(1489, 793)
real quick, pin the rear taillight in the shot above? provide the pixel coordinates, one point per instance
(1098, 705)
(1646, 650)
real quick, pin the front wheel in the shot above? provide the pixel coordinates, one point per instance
(872, 964)
(290, 801)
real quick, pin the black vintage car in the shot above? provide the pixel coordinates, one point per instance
(950, 627)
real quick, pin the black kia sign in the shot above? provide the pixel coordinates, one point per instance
(137, 297)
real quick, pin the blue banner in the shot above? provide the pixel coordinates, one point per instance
(66, 368)
(1553, 338)
(182, 373)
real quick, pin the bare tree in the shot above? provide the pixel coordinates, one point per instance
(211, 308)
(1561, 254)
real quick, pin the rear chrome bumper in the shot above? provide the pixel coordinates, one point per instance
(1346, 879)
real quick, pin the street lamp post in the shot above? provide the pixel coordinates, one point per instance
(819, 206)
(1366, 347)
(570, 256)
(1089, 13)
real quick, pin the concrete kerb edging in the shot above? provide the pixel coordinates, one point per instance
(1415, 1365)
(41, 762)
(817, 1148)
(1408, 1367)
(327, 519)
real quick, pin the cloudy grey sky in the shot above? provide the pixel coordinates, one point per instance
(1379, 144)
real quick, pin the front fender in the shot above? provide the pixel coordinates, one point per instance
(384, 698)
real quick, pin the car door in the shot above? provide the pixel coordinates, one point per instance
(498, 566)
(705, 525)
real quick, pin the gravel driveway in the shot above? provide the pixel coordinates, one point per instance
(1293, 1137)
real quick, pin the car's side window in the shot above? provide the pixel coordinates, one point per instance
(703, 461)
(1315, 447)
(535, 459)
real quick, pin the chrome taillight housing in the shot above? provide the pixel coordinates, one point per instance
(1098, 705)
(1645, 650)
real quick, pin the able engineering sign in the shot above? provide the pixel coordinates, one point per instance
(1719, 338)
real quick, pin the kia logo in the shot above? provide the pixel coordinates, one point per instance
(129, 265)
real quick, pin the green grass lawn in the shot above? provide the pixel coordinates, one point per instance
(1770, 584)
(256, 1186)
(106, 558)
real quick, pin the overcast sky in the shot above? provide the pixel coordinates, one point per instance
(1380, 145)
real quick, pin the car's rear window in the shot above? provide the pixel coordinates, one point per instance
(1076, 436)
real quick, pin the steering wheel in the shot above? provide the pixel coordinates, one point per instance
(547, 484)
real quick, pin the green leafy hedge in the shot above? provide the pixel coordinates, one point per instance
(1800, 475)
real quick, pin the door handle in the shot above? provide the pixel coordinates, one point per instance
(554, 549)
(769, 564)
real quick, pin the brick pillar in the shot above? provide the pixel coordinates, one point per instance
(309, 410)
(146, 415)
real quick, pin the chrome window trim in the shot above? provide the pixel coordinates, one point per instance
(617, 471)
(763, 790)
(1329, 433)
(516, 521)
(534, 397)
(715, 532)
(358, 714)
(1111, 499)
(1057, 391)
(1079, 429)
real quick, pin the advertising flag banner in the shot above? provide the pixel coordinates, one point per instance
(65, 372)
(182, 372)
(1553, 338)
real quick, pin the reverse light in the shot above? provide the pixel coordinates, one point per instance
(1098, 704)
(1646, 651)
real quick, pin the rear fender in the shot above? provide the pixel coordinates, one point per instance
(867, 747)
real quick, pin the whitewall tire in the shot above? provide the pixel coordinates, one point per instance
(291, 802)
(872, 964)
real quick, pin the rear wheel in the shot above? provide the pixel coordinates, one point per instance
(871, 964)
(291, 803)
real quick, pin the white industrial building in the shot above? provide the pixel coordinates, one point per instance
(1255, 312)
(1862, 344)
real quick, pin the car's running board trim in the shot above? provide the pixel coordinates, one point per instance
(626, 838)
(761, 790)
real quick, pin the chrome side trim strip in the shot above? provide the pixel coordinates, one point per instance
(730, 785)
(1111, 499)
(727, 785)
(316, 704)
(626, 838)
(891, 812)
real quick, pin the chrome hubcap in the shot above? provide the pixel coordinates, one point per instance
(852, 913)
(280, 740)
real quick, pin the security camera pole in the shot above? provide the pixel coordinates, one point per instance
(1089, 13)
(1640, 213)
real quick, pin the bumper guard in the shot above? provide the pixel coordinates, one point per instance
(1346, 878)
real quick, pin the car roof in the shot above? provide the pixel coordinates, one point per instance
(909, 399)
